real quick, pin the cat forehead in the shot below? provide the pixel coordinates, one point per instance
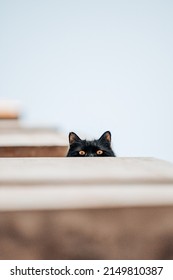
(87, 145)
(92, 143)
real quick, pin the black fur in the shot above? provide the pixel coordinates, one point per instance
(94, 148)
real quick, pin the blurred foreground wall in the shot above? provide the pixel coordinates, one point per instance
(95, 208)
(122, 233)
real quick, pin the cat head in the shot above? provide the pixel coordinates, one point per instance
(94, 148)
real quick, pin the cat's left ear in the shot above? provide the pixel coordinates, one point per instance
(106, 137)
(73, 137)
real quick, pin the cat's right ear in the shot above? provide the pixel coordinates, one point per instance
(106, 137)
(73, 138)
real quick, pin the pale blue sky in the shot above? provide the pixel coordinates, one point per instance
(90, 66)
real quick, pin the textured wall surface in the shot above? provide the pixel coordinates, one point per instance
(129, 233)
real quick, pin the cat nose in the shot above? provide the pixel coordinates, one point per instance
(91, 155)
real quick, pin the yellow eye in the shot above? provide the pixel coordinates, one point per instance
(99, 152)
(82, 153)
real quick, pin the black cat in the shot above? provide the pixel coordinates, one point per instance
(94, 148)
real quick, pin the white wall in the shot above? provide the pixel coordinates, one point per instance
(92, 65)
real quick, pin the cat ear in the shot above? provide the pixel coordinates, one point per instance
(73, 138)
(106, 137)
